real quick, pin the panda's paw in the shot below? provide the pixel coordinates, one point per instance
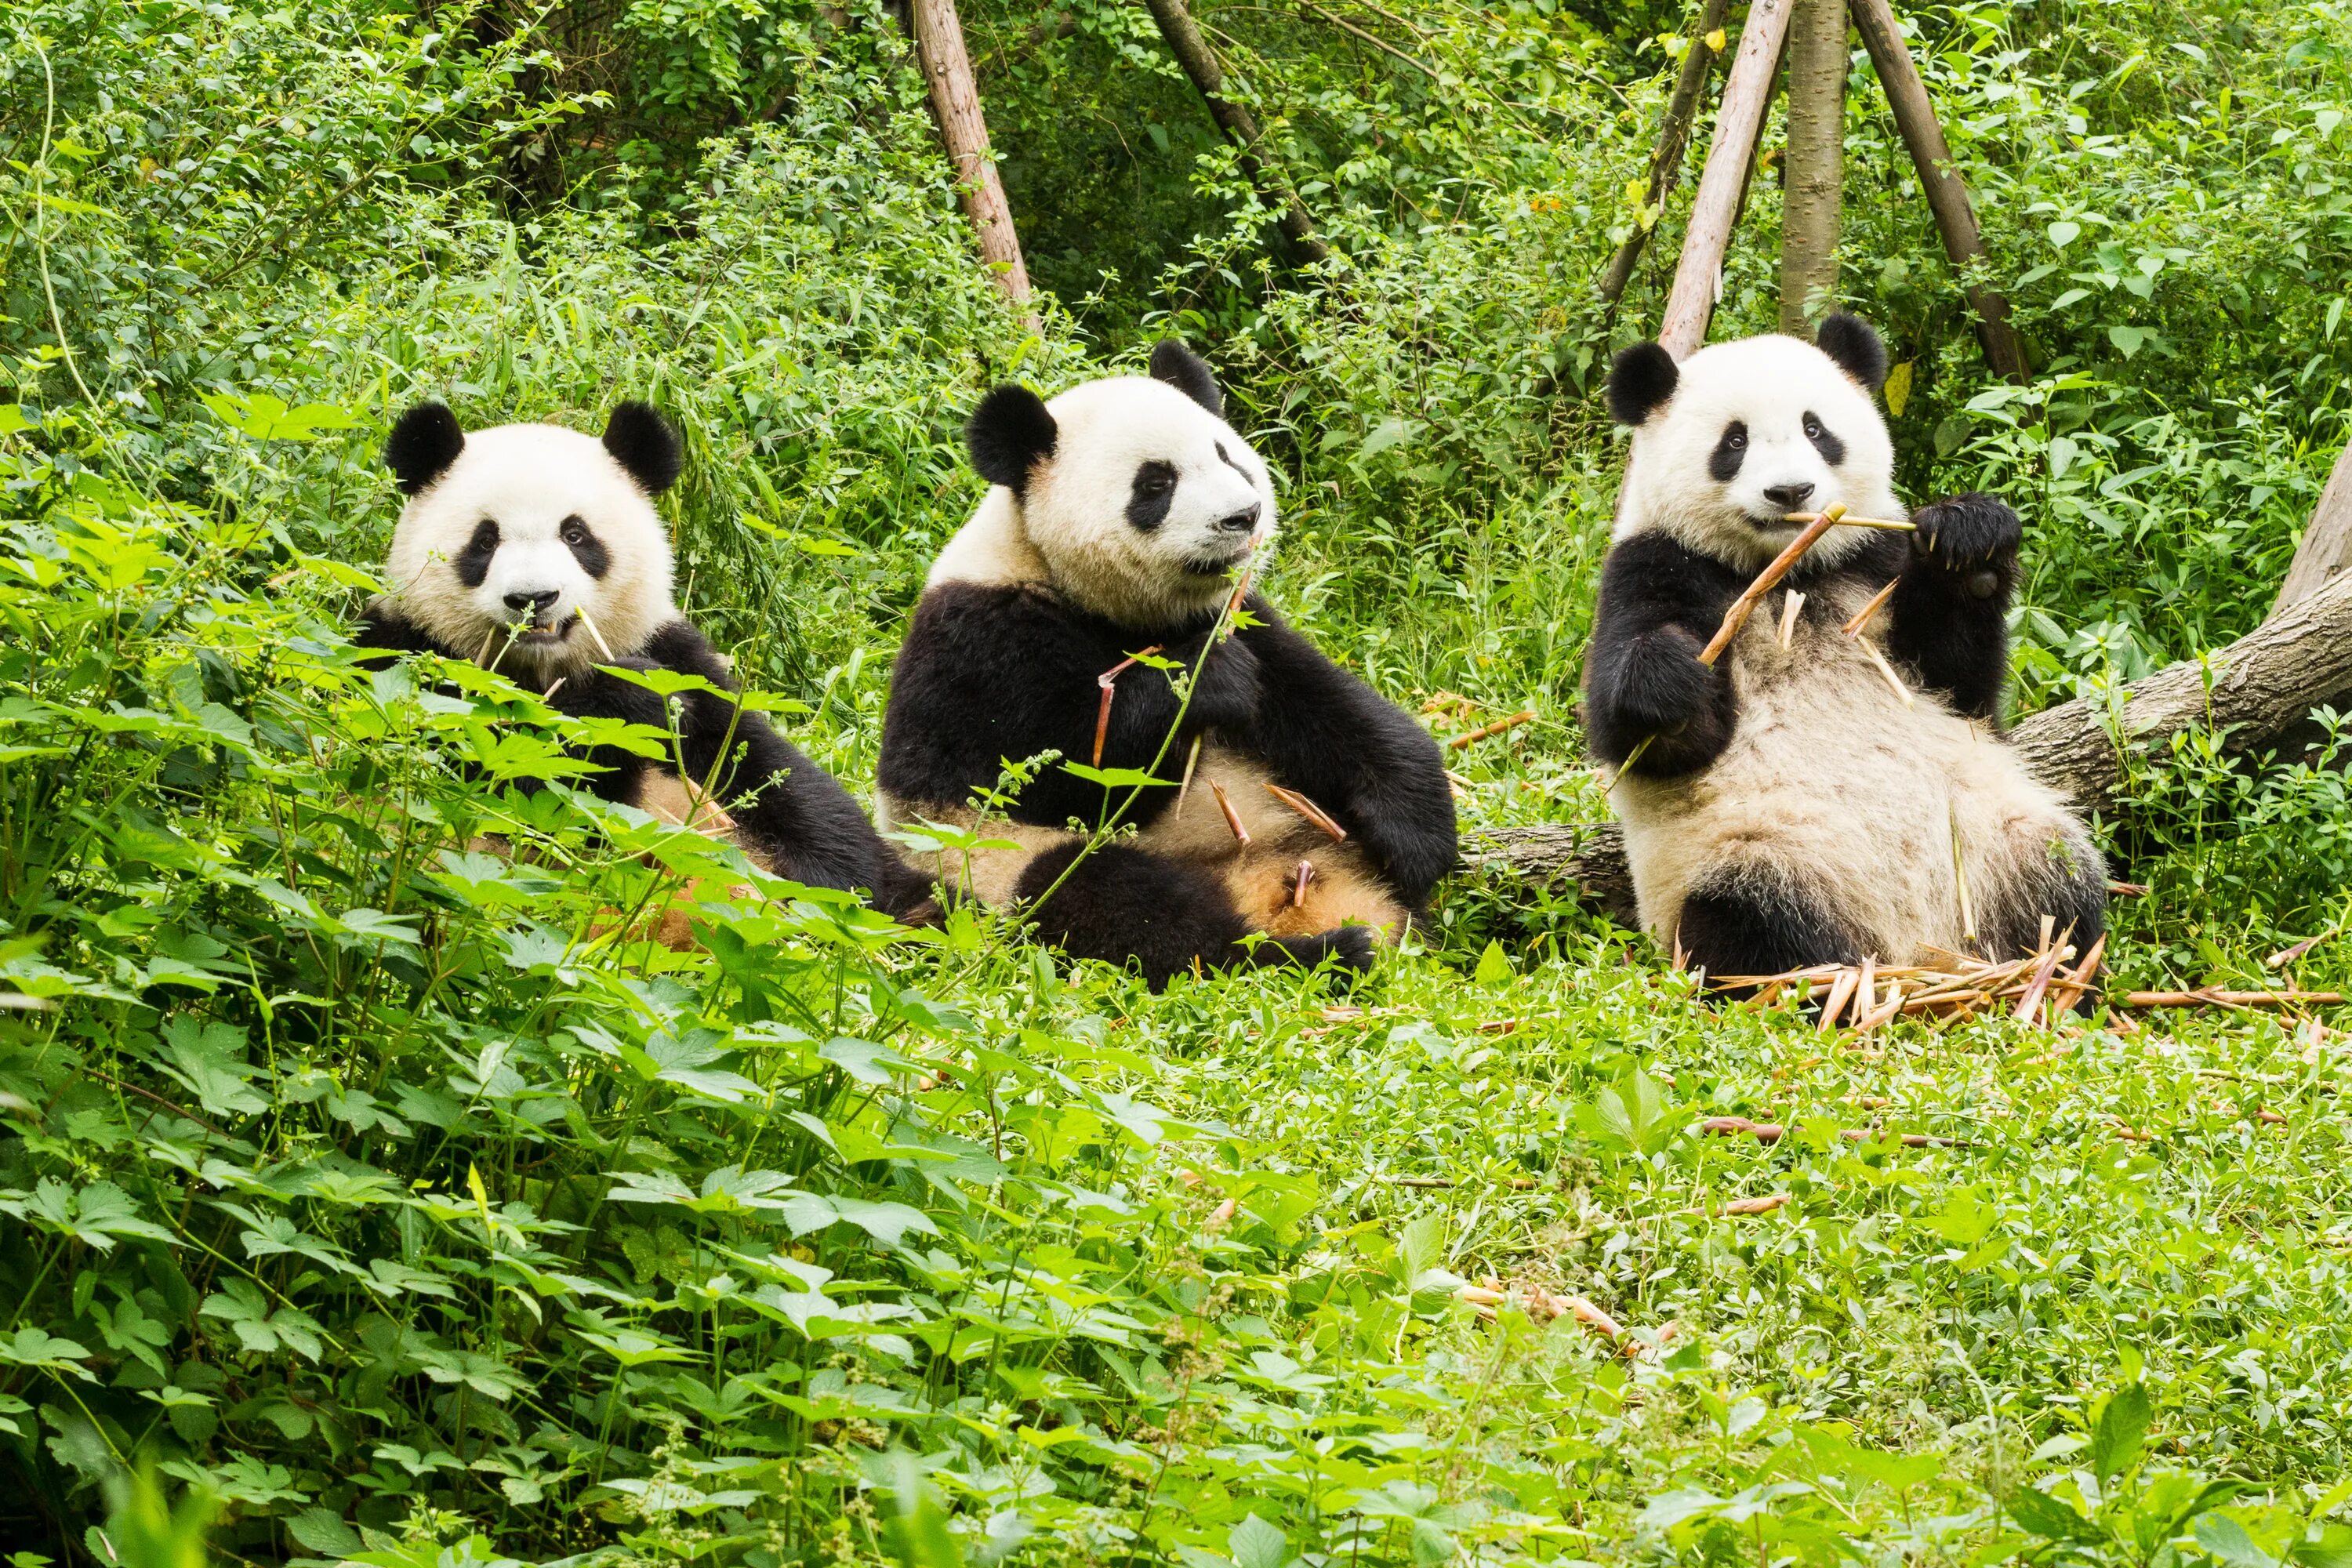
(1971, 535)
(1669, 690)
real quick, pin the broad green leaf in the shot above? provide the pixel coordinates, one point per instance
(2122, 1428)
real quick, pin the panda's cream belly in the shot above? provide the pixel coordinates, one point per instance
(1260, 876)
(1831, 785)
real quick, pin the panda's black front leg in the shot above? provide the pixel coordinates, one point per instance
(1950, 610)
(1645, 690)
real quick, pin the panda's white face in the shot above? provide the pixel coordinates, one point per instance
(527, 527)
(1750, 432)
(1130, 496)
(1150, 503)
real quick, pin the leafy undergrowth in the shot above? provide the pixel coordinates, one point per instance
(364, 1172)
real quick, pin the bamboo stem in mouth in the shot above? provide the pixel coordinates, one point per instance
(589, 621)
(483, 658)
(1878, 522)
(1765, 581)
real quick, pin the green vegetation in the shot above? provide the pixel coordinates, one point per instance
(372, 1195)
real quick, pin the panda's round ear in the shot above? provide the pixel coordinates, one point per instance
(423, 443)
(1853, 343)
(1174, 362)
(643, 442)
(1008, 435)
(1640, 379)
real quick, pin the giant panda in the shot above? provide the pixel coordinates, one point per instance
(1786, 807)
(536, 551)
(1119, 517)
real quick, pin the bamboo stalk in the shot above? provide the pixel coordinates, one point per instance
(2213, 997)
(1791, 603)
(1673, 137)
(1496, 727)
(1884, 525)
(1233, 818)
(1108, 681)
(1861, 617)
(1192, 761)
(1745, 606)
(1683, 326)
(1309, 810)
(1299, 888)
(586, 620)
(1885, 670)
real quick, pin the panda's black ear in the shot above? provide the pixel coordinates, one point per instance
(1009, 435)
(423, 443)
(1175, 363)
(642, 441)
(1640, 378)
(1853, 343)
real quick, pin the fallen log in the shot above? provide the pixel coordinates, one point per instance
(2253, 689)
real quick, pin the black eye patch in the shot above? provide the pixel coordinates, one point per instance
(1154, 492)
(1729, 452)
(473, 563)
(586, 548)
(1831, 450)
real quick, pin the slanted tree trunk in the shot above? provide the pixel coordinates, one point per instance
(1698, 275)
(2252, 690)
(1674, 139)
(1947, 197)
(1813, 170)
(2326, 548)
(1200, 62)
(955, 99)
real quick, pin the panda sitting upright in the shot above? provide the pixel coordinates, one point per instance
(1786, 806)
(536, 551)
(1121, 515)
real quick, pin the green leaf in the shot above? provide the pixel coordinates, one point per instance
(2227, 1541)
(2122, 1428)
(917, 1532)
(267, 418)
(1255, 1543)
(2048, 1518)
(38, 1349)
(1117, 778)
(1494, 970)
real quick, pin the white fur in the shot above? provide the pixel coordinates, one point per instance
(529, 479)
(1769, 384)
(1829, 784)
(1069, 529)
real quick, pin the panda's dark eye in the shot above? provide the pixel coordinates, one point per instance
(1737, 440)
(1154, 485)
(1812, 428)
(574, 531)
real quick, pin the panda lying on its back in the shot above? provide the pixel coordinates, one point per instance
(516, 539)
(1788, 807)
(1120, 515)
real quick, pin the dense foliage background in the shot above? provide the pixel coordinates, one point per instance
(393, 1201)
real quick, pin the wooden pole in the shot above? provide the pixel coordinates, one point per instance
(1813, 170)
(1673, 138)
(1947, 197)
(1200, 62)
(955, 99)
(1692, 299)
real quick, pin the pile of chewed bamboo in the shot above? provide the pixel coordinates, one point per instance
(2042, 987)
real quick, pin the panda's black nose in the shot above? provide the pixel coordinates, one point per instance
(1239, 522)
(1787, 496)
(533, 603)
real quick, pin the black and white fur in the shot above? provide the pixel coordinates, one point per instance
(514, 540)
(1786, 808)
(1119, 515)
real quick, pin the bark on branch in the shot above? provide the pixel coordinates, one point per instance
(2253, 689)
(955, 99)
(1200, 62)
(1947, 197)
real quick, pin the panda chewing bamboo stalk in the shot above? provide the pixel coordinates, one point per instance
(1127, 514)
(1791, 797)
(516, 539)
